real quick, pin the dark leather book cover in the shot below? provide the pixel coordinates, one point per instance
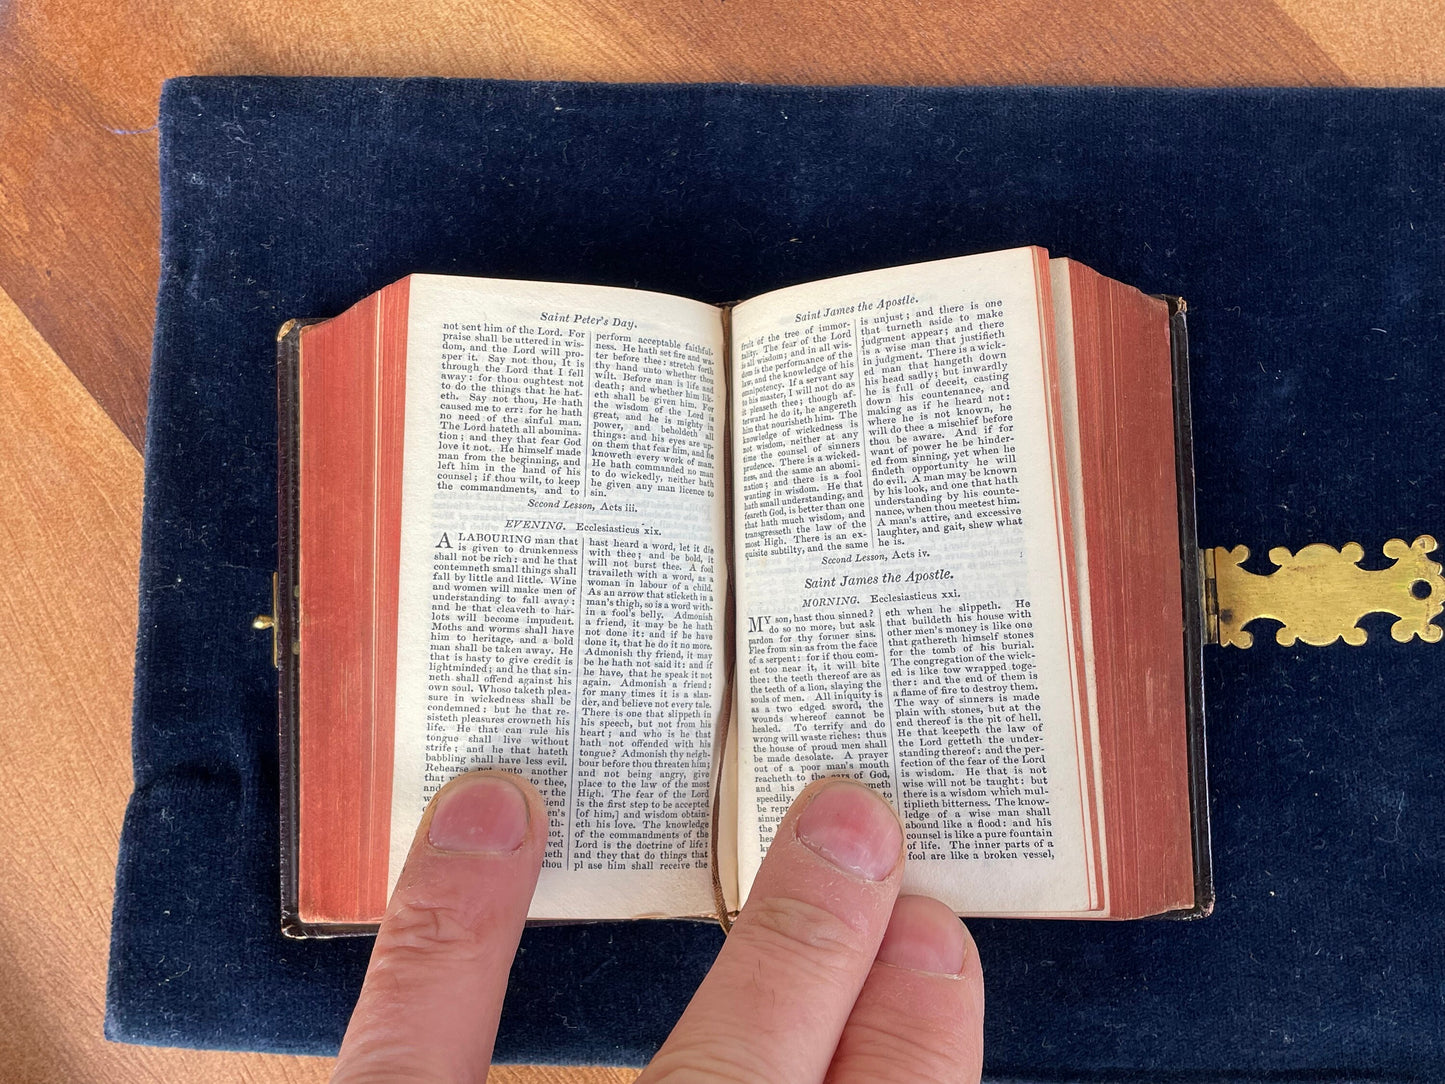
(1191, 578)
(1306, 230)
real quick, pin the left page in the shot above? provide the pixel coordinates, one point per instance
(563, 572)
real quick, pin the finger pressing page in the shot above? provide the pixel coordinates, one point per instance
(919, 1016)
(429, 1006)
(775, 1001)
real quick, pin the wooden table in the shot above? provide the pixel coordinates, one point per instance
(79, 214)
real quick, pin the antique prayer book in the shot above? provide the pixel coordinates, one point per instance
(920, 526)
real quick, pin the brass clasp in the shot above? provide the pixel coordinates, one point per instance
(268, 621)
(1320, 593)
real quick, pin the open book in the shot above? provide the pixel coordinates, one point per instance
(920, 526)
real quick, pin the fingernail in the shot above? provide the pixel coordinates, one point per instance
(924, 935)
(479, 815)
(853, 828)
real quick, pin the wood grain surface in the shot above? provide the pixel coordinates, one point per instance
(79, 215)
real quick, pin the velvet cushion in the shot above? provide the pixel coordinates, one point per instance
(1305, 230)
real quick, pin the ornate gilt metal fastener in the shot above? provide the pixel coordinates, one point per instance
(261, 622)
(1320, 593)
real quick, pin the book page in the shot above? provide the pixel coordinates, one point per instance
(563, 575)
(905, 614)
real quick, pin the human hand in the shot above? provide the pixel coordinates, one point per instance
(827, 973)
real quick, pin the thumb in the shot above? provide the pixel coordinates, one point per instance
(433, 992)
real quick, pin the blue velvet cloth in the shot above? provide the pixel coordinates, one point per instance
(1305, 230)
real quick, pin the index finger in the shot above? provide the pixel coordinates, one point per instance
(429, 1007)
(775, 1002)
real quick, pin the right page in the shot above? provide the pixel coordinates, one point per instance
(906, 609)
